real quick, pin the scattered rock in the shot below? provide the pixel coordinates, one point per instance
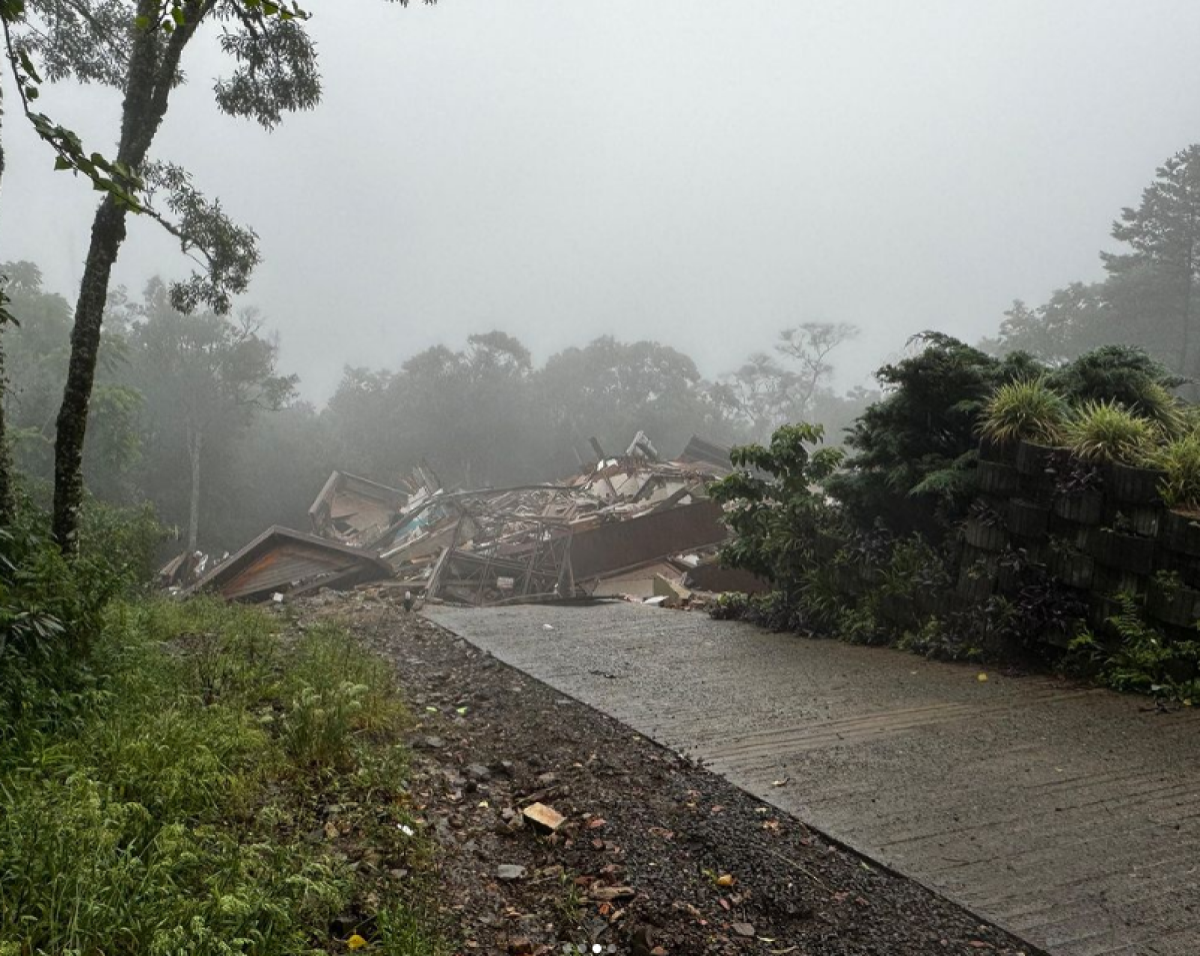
(477, 771)
(544, 817)
(664, 848)
(606, 894)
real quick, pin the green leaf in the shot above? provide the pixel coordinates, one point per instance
(61, 163)
(142, 23)
(31, 92)
(10, 10)
(178, 17)
(28, 67)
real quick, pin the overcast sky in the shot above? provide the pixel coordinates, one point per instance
(699, 172)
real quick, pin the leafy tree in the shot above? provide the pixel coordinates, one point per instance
(772, 505)
(809, 346)
(136, 46)
(1058, 331)
(914, 451)
(38, 346)
(8, 499)
(361, 422)
(765, 393)
(205, 377)
(484, 415)
(468, 412)
(498, 408)
(610, 390)
(1162, 267)
(1150, 298)
(268, 474)
(760, 395)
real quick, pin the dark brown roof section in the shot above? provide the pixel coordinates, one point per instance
(288, 561)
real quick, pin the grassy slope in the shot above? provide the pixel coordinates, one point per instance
(223, 787)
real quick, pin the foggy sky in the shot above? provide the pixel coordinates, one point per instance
(698, 172)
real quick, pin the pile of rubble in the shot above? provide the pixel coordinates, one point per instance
(632, 526)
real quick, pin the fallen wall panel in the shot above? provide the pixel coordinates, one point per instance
(626, 544)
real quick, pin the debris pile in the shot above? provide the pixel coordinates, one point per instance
(632, 526)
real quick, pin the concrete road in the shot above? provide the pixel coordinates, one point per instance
(1067, 815)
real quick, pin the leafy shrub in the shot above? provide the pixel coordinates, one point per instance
(52, 610)
(125, 539)
(1107, 431)
(772, 507)
(1042, 614)
(769, 610)
(51, 613)
(1180, 459)
(731, 606)
(1115, 373)
(1024, 409)
(938, 641)
(1144, 660)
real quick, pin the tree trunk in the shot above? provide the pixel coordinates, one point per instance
(195, 448)
(8, 504)
(7, 498)
(153, 65)
(108, 232)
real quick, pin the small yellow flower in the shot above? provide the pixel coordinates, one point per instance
(982, 678)
(356, 942)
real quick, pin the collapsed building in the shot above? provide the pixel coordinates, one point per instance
(630, 526)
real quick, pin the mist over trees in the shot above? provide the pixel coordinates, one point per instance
(1150, 296)
(137, 49)
(193, 413)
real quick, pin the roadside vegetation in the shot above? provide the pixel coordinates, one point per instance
(989, 510)
(194, 778)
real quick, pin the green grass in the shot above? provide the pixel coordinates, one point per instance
(179, 805)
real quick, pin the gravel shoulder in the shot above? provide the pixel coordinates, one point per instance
(655, 855)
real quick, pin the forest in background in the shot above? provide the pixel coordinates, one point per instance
(193, 414)
(193, 411)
